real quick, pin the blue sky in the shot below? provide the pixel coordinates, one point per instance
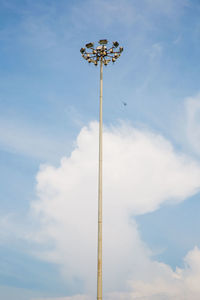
(48, 94)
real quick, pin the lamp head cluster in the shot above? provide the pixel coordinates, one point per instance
(101, 52)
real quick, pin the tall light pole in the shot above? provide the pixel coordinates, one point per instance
(104, 55)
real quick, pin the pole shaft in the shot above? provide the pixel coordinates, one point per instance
(99, 264)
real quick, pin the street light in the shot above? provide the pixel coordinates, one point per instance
(104, 55)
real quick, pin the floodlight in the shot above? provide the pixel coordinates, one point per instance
(99, 47)
(103, 42)
(115, 44)
(113, 59)
(106, 61)
(82, 50)
(89, 45)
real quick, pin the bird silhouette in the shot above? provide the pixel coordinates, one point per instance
(124, 103)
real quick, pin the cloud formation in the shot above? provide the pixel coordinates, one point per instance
(192, 123)
(164, 283)
(17, 136)
(141, 172)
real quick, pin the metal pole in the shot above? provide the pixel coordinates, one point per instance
(103, 54)
(99, 266)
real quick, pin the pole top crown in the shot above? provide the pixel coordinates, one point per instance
(102, 52)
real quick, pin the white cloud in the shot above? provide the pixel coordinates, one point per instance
(141, 172)
(109, 12)
(76, 297)
(183, 284)
(124, 13)
(192, 122)
(17, 136)
(155, 52)
(9, 292)
(169, 7)
(162, 283)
